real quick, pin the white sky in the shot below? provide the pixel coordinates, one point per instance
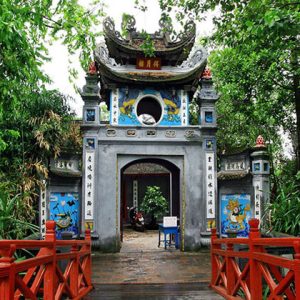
(57, 69)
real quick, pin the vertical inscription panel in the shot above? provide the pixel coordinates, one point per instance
(184, 109)
(135, 193)
(210, 185)
(89, 184)
(114, 107)
(43, 211)
(257, 198)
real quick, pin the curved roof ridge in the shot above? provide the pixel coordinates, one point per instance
(163, 33)
(189, 68)
(165, 41)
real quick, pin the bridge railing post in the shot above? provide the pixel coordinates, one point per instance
(297, 269)
(50, 269)
(7, 284)
(89, 259)
(229, 269)
(255, 275)
(214, 265)
(74, 274)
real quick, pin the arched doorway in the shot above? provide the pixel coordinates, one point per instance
(140, 173)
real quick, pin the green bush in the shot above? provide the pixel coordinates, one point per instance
(154, 203)
(284, 210)
(13, 223)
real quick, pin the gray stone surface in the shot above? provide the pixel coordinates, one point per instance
(185, 151)
(153, 292)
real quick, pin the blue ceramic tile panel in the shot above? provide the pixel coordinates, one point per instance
(235, 213)
(127, 102)
(209, 144)
(64, 210)
(208, 117)
(127, 99)
(90, 115)
(256, 167)
(90, 143)
(172, 104)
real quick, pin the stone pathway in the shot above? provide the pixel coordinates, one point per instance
(153, 292)
(141, 268)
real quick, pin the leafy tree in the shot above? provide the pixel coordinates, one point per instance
(26, 28)
(255, 63)
(35, 123)
(42, 128)
(154, 203)
(246, 109)
(260, 40)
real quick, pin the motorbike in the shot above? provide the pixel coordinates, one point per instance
(136, 219)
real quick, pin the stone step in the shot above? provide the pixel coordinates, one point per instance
(185, 291)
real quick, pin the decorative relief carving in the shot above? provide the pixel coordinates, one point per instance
(130, 23)
(187, 33)
(170, 133)
(91, 86)
(189, 133)
(101, 53)
(166, 28)
(63, 164)
(195, 58)
(109, 27)
(235, 165)
(109, 24)
(131, 132)
(151, 133)
(111, 132)
(208, 93)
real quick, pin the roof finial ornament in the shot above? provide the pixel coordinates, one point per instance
(92, 68)
(260, 143)
(206, 73)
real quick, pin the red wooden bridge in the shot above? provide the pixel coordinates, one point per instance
(262, 273)
(45, 276)
(242, 268)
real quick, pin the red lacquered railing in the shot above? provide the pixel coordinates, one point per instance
(251, 272)
(44, 276)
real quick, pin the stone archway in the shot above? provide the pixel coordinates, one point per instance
(137, 174)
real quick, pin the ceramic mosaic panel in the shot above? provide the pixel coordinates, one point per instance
(64, 210)
(235, 213)
(90, 115)
(175, 106)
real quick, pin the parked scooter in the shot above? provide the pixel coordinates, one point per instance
(136, 219)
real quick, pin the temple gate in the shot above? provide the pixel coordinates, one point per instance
(149, 103)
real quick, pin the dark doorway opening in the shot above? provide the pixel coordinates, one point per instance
(139, 174)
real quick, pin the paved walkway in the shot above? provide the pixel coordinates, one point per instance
(143, 268)
(191, 291)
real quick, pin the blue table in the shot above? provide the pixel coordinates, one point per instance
(168, 231)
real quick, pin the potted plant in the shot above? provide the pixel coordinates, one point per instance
(154, 205)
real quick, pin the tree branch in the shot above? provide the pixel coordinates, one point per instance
(53, 21)
(289, 4)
